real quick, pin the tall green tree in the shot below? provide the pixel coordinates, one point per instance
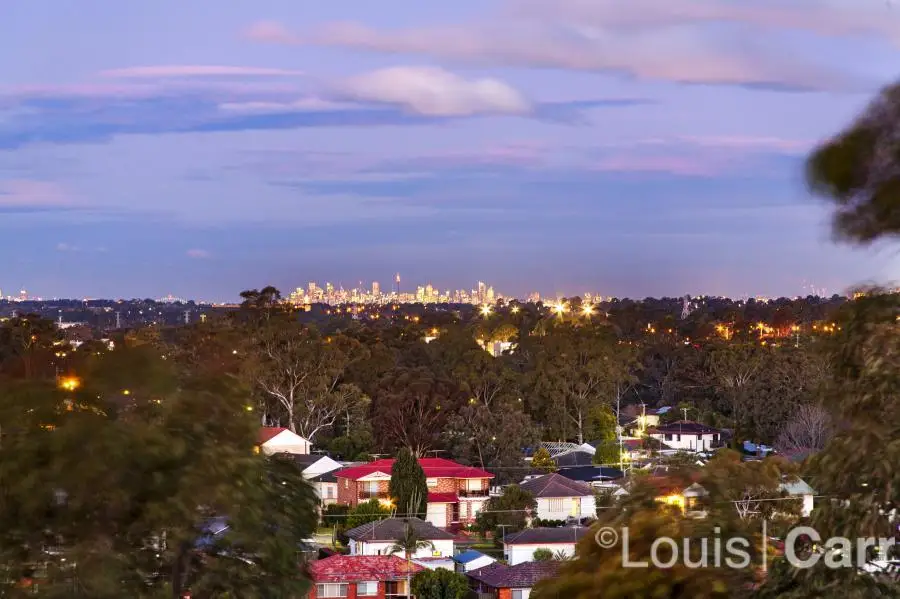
(512, 510)
(440, 584)
(858, 466)
(541, 460)
(124, 486)
(859, 171)
(408, 487)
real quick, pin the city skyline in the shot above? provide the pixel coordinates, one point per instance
(538, 145)
(372, 291)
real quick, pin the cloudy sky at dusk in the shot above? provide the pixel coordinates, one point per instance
(631, 148)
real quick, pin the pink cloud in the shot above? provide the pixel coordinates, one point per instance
(165, 71)
(815, 16)
(675, 165)
(271, 32)
(27, 193)
(552, 42)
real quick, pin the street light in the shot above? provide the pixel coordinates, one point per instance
(69, 383)
(560, 308)
(485, 310)
(587, 310)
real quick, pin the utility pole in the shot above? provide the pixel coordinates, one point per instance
(685, 410)
(118, 320)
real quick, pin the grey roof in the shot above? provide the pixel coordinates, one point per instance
(325, 477)
(591, 473)
(391, 529)
(556, 485)
(576, 457)
(539, 536)
(520, 576)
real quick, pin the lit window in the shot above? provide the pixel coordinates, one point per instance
(367, 589)
(431, 482)
(519, 594)
(331, 590)
(556, 505)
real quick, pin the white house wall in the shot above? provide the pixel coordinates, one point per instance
(588, 508)
(286, 442)
(444, 547)
(516, 554)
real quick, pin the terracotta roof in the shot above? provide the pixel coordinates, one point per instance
(556, 485)
(433, 467)
(391, 529)
(350, 568)
(267, 433)
(442, 498)
(520, 576)
(540, 536)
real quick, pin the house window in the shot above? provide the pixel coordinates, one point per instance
(329, 492)
(331, 590)
(520, 593)
(556, 505)
(346, 484)
(367, 589)
(668, 437)
(431, 482)
(473, 484)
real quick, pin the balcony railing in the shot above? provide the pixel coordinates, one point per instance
(373, 495)
(473, 492)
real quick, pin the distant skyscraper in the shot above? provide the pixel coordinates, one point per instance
(376, 288)
(481, 293)
(397, 282)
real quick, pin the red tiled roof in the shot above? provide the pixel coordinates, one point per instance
(267, 433)
(433, 467)
(349, 568)
(442, 498)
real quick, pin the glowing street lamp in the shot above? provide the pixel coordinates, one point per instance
(587, 310)
(69, 383)
(515, 309)
(485, 310)
(560, 308)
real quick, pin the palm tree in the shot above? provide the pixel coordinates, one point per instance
(409, 544)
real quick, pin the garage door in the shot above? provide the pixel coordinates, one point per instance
(437, 514)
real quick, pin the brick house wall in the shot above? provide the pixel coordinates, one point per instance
(352, 594)
(348, 491)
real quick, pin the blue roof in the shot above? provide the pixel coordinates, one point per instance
(468, 556)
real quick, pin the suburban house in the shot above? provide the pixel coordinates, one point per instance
(456, 493)
(274, 439)
(687, 436)
(326, 487)
(377, 538)
(312, 464)
(799, 488)
(470, 560)
(352, 576)
(500, 581)
(559, 498)
(520, 547)
(689, 500)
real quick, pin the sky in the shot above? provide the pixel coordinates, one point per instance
(639, 148)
